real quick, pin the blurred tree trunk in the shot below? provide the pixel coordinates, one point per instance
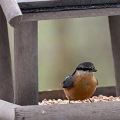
(61, 43)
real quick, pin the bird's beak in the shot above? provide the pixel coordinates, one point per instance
(93, 70)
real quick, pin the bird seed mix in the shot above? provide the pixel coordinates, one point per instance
(99, 98)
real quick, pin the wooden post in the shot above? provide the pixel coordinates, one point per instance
(26, 63)
(6, 79)
(114, 22)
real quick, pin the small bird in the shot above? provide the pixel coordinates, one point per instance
(81, 84)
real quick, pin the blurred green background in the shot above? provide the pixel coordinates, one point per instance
(63, 44)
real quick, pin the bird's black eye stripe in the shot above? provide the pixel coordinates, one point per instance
(85, 69)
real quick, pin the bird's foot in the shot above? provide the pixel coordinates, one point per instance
(68, 101)
(90, 100)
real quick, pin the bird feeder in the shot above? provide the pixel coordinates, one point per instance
(19, 99)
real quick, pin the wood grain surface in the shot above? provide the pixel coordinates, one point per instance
(71, 14)
(85, 111)
(12, 11)
(114, 22)
(7, 110)
(26, 63)
(6, 78)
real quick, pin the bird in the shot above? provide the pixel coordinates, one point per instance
(82, 83)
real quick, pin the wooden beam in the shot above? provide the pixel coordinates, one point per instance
(51, 94)
(107, 91)
(71, 14)
(59, 94)
(85, 111)
(12, 12)
(6, 78)
(114, 22)
(7, 110)
(26, 63)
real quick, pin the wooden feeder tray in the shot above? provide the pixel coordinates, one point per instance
(101, 110)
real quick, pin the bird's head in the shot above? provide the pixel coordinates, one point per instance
(86, 66)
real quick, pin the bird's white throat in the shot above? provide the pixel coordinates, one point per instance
(83, 73)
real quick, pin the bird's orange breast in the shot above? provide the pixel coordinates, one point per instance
(84, 87)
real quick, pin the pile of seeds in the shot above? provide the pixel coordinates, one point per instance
(99, 98)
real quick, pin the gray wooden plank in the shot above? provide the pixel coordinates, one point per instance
(52, 3)
(71, 14)
(6, 78)
(51, 94)
(114, 22)
(26, 63)
(107, 91)
(7, 110)
(85, 111)
(12, 11)
(59, 94)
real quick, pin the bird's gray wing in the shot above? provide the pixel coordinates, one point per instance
(68, 82)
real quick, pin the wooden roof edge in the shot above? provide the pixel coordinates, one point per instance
(12, 12)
